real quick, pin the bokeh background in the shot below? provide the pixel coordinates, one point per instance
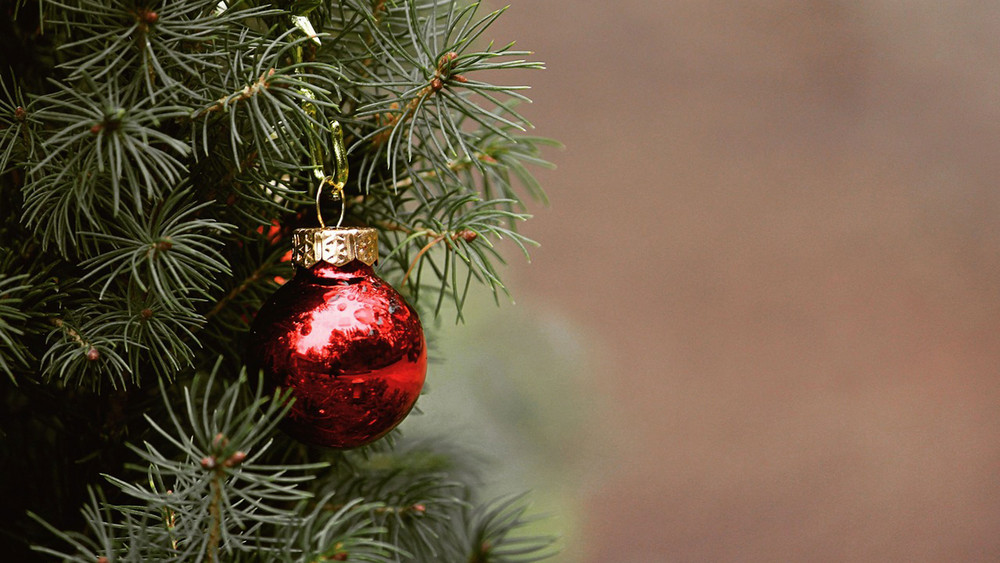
(764, 321)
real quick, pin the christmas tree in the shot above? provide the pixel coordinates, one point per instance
(156, 156)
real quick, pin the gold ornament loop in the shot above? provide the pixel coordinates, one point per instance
(338, 179)
(338, 194)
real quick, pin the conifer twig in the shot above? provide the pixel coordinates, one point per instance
(215, 511)
(394, 118)
(416, 259)
(246, 93)
(70, 331)
(465, 234)
(456, 165)
(233, 293)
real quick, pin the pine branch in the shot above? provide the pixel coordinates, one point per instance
(162, 337)
(249, 281)
(264, 102)
(494, 532)
(429, 87)
(218, 488)
(105, 541)
(162, 48)
(172, 253)
(464, 224)
(11, 316)
(216, 497)
(16, 125)
(85, 350)
(417, 499)
(99, 128)
(28, 298)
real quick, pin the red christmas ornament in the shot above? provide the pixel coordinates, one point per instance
(345, 342)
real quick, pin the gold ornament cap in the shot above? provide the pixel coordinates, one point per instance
(334, 245)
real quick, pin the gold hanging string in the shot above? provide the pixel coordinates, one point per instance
(338, 179)
(315, 145)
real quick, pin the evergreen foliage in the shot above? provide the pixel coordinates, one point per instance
(154, 157)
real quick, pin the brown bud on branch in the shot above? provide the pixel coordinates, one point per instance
(235, 459)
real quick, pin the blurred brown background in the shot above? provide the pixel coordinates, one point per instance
(776, 222)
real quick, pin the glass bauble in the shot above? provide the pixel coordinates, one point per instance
(349, 348)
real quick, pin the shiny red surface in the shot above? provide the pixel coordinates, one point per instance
(350, 348)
